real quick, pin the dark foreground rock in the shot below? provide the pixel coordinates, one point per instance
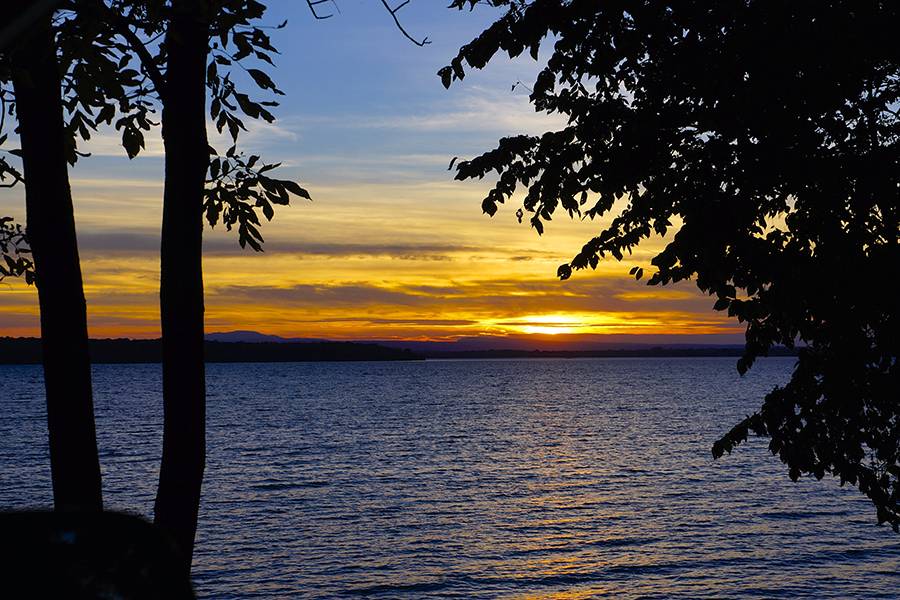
(88, 555)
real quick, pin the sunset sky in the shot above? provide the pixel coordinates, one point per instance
(391, 246)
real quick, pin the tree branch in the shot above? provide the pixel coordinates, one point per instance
(312, 8)
(122, 26)
(393, 12)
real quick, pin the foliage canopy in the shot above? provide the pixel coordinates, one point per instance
(14, 252)
(762, 139)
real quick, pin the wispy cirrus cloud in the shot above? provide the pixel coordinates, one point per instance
(476, 109)
(107, 141)
(489, 297)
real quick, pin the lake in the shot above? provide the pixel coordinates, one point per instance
(476, 479)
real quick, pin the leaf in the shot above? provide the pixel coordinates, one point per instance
(446, 75)
(295, 189)
(132, 141)
(261, 79)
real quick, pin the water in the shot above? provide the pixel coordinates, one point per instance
(477, 479)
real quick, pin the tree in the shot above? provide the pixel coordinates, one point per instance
(97, 44)
(104, 41)
(181, 274)
(69, 77)
(204, 41)
(176, 76)
(31, 65)
(778, 151)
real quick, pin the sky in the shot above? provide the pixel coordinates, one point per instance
(391, 247)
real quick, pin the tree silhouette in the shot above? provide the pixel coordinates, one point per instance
(97, 44)
(118, 71)
(180, 73)
(204, 41)
(30, 63)
(181, 275)
(770, 131)
(92, 86)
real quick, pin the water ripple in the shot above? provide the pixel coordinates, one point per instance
(477, 479)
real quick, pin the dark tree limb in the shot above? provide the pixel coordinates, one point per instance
(147, 62)
(25, 19)
(312, 8)
(393, 12)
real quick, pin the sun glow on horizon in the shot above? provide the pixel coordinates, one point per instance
(552, 324)
(574, 323)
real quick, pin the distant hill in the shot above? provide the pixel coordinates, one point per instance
(28, 351)
(255, 337)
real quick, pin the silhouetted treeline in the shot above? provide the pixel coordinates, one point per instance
(660, 351)
(28, 351)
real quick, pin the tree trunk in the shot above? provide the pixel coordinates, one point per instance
(75, 467)
(181, 275)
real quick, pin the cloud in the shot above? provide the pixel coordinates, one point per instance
(408, 321)
(345, 250)
(359, 295)
(476, 109)
(118, 242)
(106, 141)
(504, 299)
(142, 242)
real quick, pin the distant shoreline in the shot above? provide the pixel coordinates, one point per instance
(23, 351)
(650, 352)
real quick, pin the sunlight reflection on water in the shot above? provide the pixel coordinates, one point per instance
(477, 479)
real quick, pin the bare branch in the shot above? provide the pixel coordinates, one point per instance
(519, 83)
(312, 8)
(2, 110)
(393, 12)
